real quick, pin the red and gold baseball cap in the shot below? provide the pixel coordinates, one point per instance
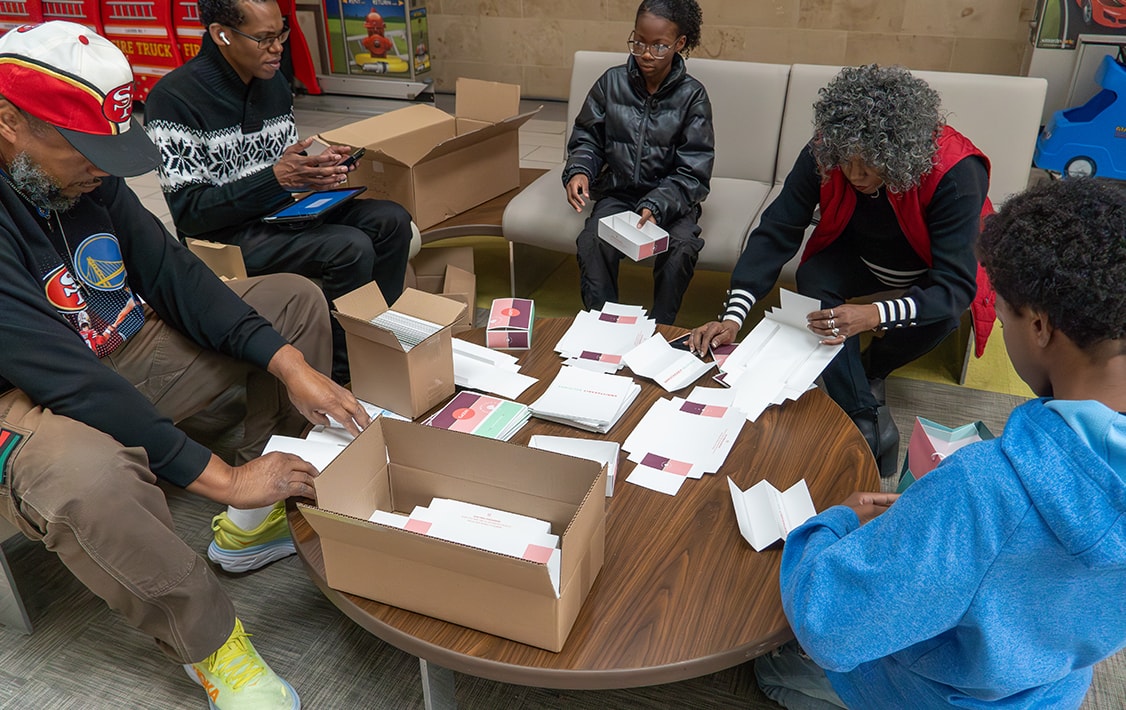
(80, 83)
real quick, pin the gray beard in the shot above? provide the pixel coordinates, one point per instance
(36, 186)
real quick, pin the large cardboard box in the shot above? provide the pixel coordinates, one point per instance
(448, 272)
(393, 466)
(437, 165)
(384, 372)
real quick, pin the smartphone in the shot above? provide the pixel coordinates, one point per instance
(351, 159)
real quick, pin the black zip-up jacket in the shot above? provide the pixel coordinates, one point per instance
(655, 150)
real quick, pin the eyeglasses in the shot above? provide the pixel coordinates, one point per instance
(265, 42)
(638, 49)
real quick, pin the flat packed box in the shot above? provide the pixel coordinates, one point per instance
(394, 466)
(408, 381)
(448, 272)
(620, 231)
(510, 324)
(437, 165)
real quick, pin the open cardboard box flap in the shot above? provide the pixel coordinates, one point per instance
(355, 310)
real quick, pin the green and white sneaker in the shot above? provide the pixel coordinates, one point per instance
(236, 678)
(238, 550)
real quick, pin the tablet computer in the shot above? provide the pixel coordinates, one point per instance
(313, 205)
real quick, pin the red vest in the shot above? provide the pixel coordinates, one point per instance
(838, 201)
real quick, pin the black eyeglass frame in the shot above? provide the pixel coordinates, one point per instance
(264, 42)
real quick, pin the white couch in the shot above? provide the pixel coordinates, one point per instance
(763, 116)
(747, 101)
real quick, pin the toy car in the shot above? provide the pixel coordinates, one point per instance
(1090, 139)
(1108, 13)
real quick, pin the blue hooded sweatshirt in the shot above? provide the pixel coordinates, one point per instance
(996, 581)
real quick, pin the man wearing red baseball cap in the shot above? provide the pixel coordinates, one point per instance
(87, 424)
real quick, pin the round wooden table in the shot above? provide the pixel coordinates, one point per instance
(680, 594)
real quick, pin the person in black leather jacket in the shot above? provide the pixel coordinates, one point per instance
(643, 142)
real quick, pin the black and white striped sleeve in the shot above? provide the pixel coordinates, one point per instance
(954, 222)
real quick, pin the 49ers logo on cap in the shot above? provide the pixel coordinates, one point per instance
(118, 105)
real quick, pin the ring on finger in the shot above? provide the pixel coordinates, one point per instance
(831, 314)
(832, 323)
(836, 332)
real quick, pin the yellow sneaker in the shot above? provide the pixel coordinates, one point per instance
(238, 550)
(236, 678)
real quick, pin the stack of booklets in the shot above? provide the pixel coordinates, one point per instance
(586, 399)
(485, 528)
(409, 330)
(479, 368)
(480, 414)
(599, 340)
(779, 359)
(679, 439)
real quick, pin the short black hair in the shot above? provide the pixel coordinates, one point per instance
(685, 14)
(225, 12)
(1060, 248)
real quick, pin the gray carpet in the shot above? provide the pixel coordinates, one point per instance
(83, 656)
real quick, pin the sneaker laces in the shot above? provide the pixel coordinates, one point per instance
(234, 662)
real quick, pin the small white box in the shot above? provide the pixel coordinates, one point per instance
(620, 231)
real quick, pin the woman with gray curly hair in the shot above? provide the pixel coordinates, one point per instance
(901, 196)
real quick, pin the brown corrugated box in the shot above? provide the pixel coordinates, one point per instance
(437, 165)
(383, 373)
(448, 272)
(394, 466)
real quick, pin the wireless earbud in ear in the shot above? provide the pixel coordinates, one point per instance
(223, 36)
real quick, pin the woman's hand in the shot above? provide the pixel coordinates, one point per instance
(837, 324)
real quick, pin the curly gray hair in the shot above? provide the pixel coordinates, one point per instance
(885, 116)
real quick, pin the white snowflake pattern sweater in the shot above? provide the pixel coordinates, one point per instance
(219, 139)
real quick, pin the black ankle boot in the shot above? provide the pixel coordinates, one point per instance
(879, 430)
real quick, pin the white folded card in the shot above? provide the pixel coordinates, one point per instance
(620, 231)
(604, 452)
(767, 515)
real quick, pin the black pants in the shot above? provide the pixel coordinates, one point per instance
(835, 275)
(362, 241)
(672, 270)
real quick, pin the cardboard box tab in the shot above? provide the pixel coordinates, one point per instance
(393, 466)
(407, 382)
(448, 272)
(437, 165)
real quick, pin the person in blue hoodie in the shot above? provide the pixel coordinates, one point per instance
(996, 580)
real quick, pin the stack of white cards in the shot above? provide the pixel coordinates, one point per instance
(586, 399)
(670, 368)
(324, 443)
(598, 340)
(485, 528)
(480, 368)
(409, 330)
(679, 439)
(779, 359)
(603, 452)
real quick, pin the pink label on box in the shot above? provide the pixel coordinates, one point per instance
(662, 463)
(611, 318)
(704, 410)
(538, 553)
(511, 313)
(419, 526)
(658, 247)
(600, 357)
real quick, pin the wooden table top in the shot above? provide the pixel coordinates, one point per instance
(680, 594)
